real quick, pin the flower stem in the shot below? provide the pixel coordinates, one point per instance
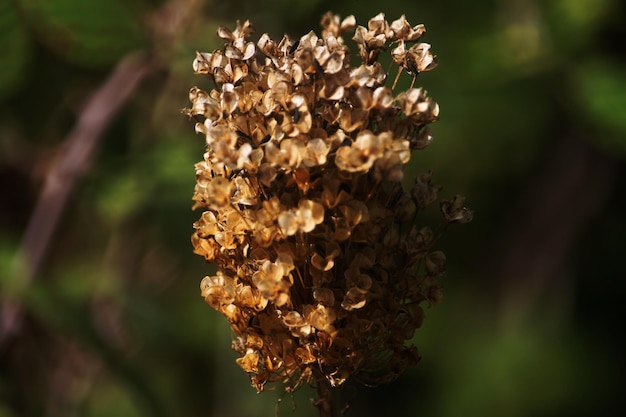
(324, 401)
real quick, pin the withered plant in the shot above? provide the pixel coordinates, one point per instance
(323, 266)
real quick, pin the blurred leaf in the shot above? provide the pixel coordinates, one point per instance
(172, 163)
(14, 49)
(80, 282)
(108, 398)
(121, 196)
(70, 316)
(89, 33)
(601, 89)
(527, 367)
(573, 22)
(11, 270)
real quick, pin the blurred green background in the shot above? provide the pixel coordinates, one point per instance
(104, 318)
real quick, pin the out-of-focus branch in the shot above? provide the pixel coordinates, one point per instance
(79, 147)
(324, 401)
(547, 221)
(72, 162)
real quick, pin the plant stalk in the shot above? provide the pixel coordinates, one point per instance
(324, 401)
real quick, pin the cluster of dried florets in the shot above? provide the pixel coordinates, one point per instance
(322, 269)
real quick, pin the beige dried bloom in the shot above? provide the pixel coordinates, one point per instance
(323, 269)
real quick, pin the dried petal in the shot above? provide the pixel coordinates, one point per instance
(455, 212)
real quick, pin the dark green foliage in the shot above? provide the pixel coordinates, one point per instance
(88, 33)
(14, 48)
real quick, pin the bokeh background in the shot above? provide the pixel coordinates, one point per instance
(99, 289)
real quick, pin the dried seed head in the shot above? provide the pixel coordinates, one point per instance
(321, 264)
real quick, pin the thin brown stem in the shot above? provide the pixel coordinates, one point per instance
(324, 401)
(75, 153)
(557, 207)
(395, 81)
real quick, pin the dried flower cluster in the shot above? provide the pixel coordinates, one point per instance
(322, 269)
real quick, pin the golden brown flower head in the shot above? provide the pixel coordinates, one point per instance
(322, 269)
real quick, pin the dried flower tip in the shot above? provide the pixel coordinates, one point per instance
(455, 212)
(322, 265)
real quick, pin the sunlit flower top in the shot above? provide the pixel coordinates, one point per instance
(323, 270)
